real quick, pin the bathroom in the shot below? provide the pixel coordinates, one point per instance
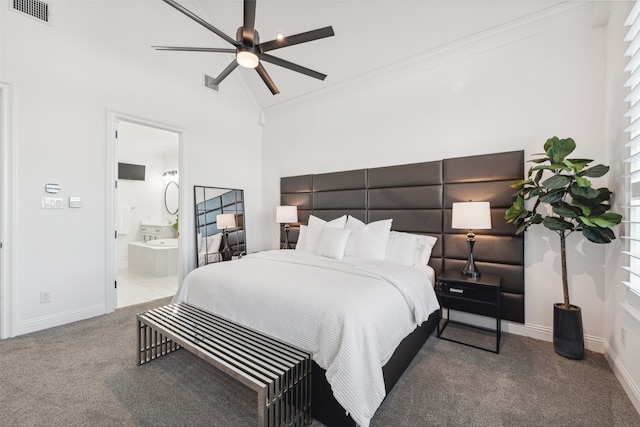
(147, 213)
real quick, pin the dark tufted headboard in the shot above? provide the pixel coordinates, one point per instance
(418, 197)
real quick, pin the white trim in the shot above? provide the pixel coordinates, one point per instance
(7, 216)
(58, 319)
(186, 222)
(539, 332)
(511, 32)
(626, 380)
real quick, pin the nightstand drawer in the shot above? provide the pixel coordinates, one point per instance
(471, 298)
(474, 292)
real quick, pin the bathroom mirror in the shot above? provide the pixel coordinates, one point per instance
(212, 241)
(172, 197)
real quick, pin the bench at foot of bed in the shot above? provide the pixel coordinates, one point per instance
(278, 372)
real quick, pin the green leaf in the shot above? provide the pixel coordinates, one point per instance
(557, 181)
(582, 182)
(567, 211)
(553, 167)
(596, 235)
(540, 160)
(586, 221)
(596, 172)
(552, 197)
(586, 211)
(577, 164)
(558, 149)
(607, 220)
(555, 224)
(583, 192)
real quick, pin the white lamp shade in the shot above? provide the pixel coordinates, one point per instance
(471, 215)
(225, 221)
(286, 214)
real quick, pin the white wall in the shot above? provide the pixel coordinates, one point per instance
(93, 58)
(145, 197)
(497, 93)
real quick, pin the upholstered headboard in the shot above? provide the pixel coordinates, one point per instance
(418, 197)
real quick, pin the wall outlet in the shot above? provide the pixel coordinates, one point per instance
(623, 335)
(45, 296)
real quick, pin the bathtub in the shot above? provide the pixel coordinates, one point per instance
(156, 257)
(167, 243)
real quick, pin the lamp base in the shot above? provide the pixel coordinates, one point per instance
(226, 251)
(470, 269)
(286, 245)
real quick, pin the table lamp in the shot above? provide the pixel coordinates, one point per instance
(286, 215)
(471, 216)
(225, 222)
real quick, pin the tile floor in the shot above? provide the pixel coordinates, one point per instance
(136, 287)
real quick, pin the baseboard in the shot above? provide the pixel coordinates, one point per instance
(58, 319)
(539, 332)
(628, 384)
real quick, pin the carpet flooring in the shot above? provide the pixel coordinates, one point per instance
(85, 374)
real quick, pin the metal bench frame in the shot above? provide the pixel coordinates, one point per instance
(277, 371)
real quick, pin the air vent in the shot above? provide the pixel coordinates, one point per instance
(34, 8)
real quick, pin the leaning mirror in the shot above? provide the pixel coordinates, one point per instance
(219, 221)
(171, 197)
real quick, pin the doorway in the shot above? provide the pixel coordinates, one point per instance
(146, 256)
(147, 213)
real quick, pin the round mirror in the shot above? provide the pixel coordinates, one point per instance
(171, 197)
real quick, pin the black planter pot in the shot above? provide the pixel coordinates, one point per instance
(568, 337)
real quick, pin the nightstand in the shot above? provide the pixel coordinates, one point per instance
(472, 295)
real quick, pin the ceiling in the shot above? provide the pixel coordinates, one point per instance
(369, 35)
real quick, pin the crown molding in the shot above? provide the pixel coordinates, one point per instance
(537, 23)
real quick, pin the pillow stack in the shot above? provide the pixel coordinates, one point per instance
(348, 236)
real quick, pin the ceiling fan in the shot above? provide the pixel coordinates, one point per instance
(248, 49)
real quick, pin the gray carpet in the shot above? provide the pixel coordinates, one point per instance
(84, 374)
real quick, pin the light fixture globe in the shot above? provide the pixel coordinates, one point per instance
(247, 59)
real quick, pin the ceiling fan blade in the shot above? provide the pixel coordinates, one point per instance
(194, 49)
(213, 84)
(248, 27)
(308, 36)
(291, 66)
(201, 21)
(267, 79)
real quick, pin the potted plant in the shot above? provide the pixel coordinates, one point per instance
(563, 184)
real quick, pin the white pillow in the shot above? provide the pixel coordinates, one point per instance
(423, 250)
(316, 227)
(369, 240)
(402, 248)
(333, 242)
(212, 244)
(199, 241)
(301, 244)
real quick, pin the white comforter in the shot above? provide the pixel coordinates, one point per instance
(349, 314)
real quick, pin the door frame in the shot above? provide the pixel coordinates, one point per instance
(7, 214)
(113, 118)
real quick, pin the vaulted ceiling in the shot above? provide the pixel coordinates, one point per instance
(369, 35)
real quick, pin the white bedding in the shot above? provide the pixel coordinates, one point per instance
(350, 314)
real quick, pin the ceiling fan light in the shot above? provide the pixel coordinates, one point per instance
(247, 59)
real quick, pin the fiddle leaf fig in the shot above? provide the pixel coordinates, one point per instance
(575, 204)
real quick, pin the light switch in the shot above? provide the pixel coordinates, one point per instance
(52, 203)
(75, 202)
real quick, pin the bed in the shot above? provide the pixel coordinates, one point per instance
(351, 314)
(416, 199)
